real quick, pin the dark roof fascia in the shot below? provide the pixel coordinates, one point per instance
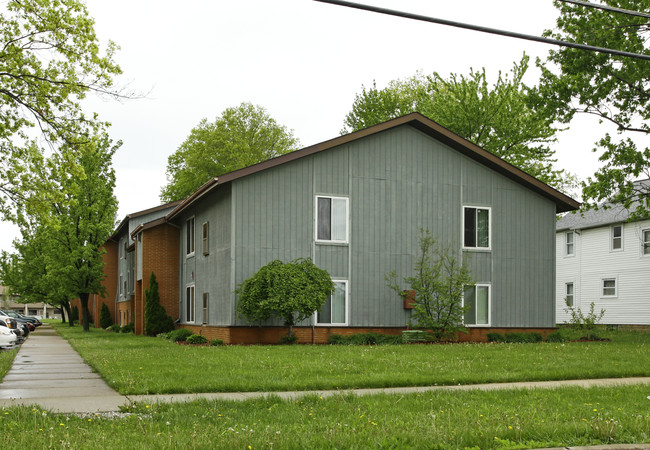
(148, 225)
(131, 216)
(563, 202)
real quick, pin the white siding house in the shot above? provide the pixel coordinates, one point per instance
(604, 259)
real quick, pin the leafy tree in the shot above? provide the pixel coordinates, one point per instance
(156, 319)
(292, 291)
(439, 284)
(613, 88)
(50, 58)
(105, 319)
(498, 118)
(241, 136)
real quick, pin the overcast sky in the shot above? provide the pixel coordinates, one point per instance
(302, 60)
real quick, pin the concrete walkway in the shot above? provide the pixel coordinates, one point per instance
(48, 372)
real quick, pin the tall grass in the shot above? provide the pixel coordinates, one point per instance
(143, 365)
(6, 360)
(438, 420)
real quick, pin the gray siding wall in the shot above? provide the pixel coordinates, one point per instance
(209, 273)
(397, 182)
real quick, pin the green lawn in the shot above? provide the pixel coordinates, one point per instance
(6, 360)
(471, 419)
(142, 365)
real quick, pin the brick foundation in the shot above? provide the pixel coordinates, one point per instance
(272, 335)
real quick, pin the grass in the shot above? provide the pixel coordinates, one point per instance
(435, 420)
(142, 365)
(6, 360)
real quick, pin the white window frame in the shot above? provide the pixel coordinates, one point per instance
(462, 222)
(347, 308)
(611, 238)
(572, 295)
(347, 220)
(572, 243)
(644, 242)
(489, 289)
(602, 287)
(190, 306)
(190, 235)
(205, 238)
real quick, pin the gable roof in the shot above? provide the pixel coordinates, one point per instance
(418, 121)
(134, 215)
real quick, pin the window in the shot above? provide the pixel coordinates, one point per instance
(476, 223)
(568, 294)
(332, 219)
(121, 251)
(334, 310)
(205, 307)
(189, 304)
(205, 232)
(477, 301)
(569, 242)
(646, 242)
(120, 286)
(189, 232)
(609, 287)
(617, 237)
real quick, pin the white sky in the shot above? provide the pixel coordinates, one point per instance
(302, 60)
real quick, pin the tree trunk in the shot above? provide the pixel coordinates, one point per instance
(85, 314)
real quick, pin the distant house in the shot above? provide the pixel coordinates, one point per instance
(604, 258)
(355, 205)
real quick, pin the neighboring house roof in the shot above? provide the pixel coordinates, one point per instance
(606, 214)
(563, 202)
(134, 215)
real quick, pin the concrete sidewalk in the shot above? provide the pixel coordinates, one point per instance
(48, 372)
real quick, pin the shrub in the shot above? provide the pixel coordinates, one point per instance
(496, 337)
(335, 339)
(523, 337)
(580, 320)
(74, 315)
(414, 336)
(105, 319)
(216, 342)
(156, 319)
(114, 327)
(364, 339)
(130, 328)
(179, 335)
(555, 336)
(163, 335)
(288, 339)
(197, 339)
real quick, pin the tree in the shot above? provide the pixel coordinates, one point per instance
(156, 319)
(105, 319)
(292, 291)
(613, 88)
(498, 118)
(241, 136)
(50, 58)
(439, 284)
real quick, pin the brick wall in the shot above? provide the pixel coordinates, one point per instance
(124, 313)
(160, 247)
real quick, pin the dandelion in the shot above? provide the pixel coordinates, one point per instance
(509, 427)
(595, 410)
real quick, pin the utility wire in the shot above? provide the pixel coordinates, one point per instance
(608, 8)
(528, 37)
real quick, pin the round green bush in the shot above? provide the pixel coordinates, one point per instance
(179, 335)
(216, 342)
(197, 339)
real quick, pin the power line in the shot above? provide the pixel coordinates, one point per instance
(406, 15)
(608, 8)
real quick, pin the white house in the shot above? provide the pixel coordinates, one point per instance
(605, 259)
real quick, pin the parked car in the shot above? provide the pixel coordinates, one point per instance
(17, 316)
(7, 337)
(13, 326)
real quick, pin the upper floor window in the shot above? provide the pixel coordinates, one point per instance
(646, 242)
(205, 231)
(477, 301)
(617, 237)
(476, 227)
(334, 309)
(568, 294)
(189, 235)
(569, 242)
(332, 219)
(609, 287)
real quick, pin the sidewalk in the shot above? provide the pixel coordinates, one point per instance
(48, 372)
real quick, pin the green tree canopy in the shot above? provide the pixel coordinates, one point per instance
(613, 88)
(498, 118)
(240, 137)
(50, 58)
(292, 291)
